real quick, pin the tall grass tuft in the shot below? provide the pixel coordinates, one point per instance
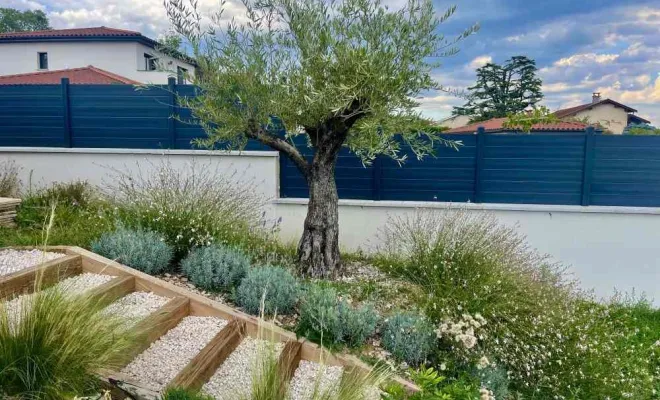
(53, 346)
(9, 182)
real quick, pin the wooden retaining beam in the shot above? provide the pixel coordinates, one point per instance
(156, 325)
(201, 368)
(42, 275)
(289, 360)
(115, 289)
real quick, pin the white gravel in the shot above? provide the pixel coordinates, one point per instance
(16, 260)
(166, 357)
(311, 375)
(75, 285)
(136, 306)
(233, 380)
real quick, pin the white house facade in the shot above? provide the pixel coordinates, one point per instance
(125, 53)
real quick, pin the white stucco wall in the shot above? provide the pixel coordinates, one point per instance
(607, 248)
(614, 119)
(122, 58)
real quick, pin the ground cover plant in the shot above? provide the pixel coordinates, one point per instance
(143, 250)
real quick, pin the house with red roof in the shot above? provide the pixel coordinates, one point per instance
(605, 114)
(89, 75)
(611, 115)
(99, 55)
(496, 125)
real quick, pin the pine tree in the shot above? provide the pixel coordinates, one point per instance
(502, 90)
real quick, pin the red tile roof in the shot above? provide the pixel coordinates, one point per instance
(567, 112)
(496, 125)
(85, 75)
(76, 32)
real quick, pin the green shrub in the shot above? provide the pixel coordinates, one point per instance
(139, 249)
(409, 338)
(324, 316)
(539, 327)
(55, 346)
(274, 285)
(215, 267)
(358, 324)
(191, 206)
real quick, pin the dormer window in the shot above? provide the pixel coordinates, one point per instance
(150, 62)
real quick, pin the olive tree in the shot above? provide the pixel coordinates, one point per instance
(342, 73)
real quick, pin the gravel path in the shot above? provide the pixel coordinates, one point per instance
(16, 260)
(75, 285)
(136, 306)
(308, 374)
(166, 357)
(233, 380)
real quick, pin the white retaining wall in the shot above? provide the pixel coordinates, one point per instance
(607, 248)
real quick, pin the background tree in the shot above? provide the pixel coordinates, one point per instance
(12, 20)
(342, 73)
(641, 129)
(502, 90)
(171, 42)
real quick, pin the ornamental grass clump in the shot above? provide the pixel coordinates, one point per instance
(325, 317)
(9, 182)
(190, 205)
(409, 337)
(553, 341)
(54, 349)
(215, 267)
(139, 249)
(274, 286)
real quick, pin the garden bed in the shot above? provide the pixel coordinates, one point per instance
(12, 260)
(190, 338)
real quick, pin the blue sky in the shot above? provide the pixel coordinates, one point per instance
(580, 46)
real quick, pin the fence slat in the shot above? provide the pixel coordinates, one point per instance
(588, 165)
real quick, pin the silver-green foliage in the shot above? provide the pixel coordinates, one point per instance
(143, 250)
(275, 287)
(308, 62)
(216, 267)
(409, 337)
(325, 316)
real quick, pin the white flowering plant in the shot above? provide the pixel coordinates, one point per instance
(191, 205)
(553, 341)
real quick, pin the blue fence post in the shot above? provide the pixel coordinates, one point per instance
(171, 122)
(282, 178)
(377, 179)
(66, 112)
(588, 165)
(479, 163)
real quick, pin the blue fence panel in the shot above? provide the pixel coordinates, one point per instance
(536, 169)
(31, 115)
(626, 171)
(547, 168)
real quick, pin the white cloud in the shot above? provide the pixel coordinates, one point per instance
(585, 59)
(649, 94)
(146, 16)
(480, 61)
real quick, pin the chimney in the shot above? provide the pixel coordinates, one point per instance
(595, 97)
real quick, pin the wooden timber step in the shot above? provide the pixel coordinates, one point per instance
(115, 289)
(43, 275)
(200, 369)
(289, 360)
(156, 325)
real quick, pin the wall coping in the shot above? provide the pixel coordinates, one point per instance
(248, 153)
(483, 206)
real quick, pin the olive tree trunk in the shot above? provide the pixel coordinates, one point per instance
(318, 250)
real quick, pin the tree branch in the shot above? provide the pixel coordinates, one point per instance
(256, 132)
